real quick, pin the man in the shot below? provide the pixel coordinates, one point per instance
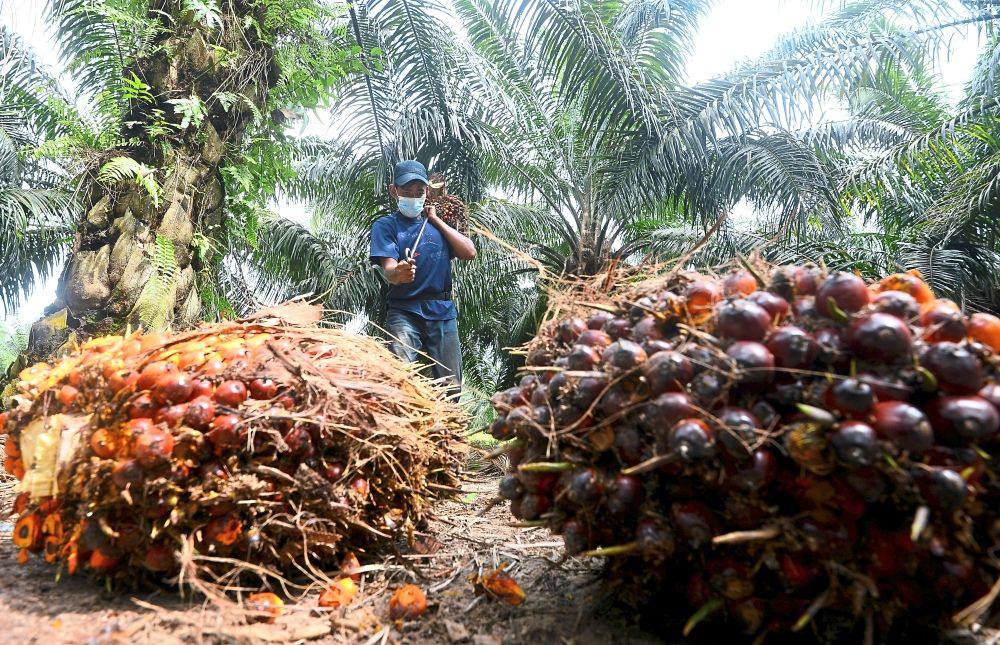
(415, 248)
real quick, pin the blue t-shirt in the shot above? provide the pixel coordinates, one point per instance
(392, 235)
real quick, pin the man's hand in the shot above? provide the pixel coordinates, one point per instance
(403, 273)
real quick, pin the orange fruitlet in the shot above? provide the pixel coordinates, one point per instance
(103, 443)
(28, 532)
(223, 530)
(267, 603)
(12, 449)
(739, 283)
(499, 585)
(986, 329)
(52, 525)
(101, 560)
(407, 603)
(350, 566)
(22, 556)
(67, 395)
(20, 503)
(339, 594)
(15, 467)
(52, 548)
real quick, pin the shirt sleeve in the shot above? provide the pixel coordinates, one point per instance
(383, 242)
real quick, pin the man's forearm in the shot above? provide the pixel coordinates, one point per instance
(461, 245)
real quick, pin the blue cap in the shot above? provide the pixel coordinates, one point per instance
(406, 171)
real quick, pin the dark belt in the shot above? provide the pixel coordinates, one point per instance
(437, 295)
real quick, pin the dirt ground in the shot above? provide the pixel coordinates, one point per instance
(560, 605)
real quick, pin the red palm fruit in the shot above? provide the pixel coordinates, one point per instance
(153, 447)
(730, 578)
(172, 388)
(909, 283)
(202, 387)
(626, 495)
(701, 296)
(653, 347)
(880, 337)
(647, 329)
(804, 308)
(152, 373)
(737, 431)
(171, 416)
(576, 537)
(691, 439)
(667, 371)
(534, 506)
(286, 401)
(224, 433)
(300, 443)
(866, 482)
(959, 419)
(756, 473)
(754, 362)
(985, 328)
(598, 319)
(142, 406)
(772, 303)
(852, 397)
(741, 320)
(698, 592)
(595, 338)
(12, 448)
(582, 358)
(618, 328)
(539, 482)
(159, 558)
(942, 488)
(14, 467)
(739, 283)
(624, 355)
(212, 367)
(903, 425)
(223, 530)
(664, 411)
(127, 474)
(846, 291)
(943, 321)
(792, 347)
(797, 572)
(104, 443)
(586, 485)
(889, 552)
(103, 560)
(570, 329)
(231, 393)
(806, 279)
(957, 370)
(855, 443)
(360, 486)
(695, 522)
(199, 413)
(263, 389)
(898, 304)
(501, 430)
(67, 395)
(887, 387)
(655, 539)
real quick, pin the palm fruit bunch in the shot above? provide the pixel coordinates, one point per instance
(774, 451)
(269, 441)
(450, 208)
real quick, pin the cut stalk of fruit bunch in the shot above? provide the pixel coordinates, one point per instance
(764, 443)
(121, 477)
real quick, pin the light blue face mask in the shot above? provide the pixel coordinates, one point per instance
(411, 206)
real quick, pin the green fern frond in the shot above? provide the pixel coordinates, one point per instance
(122, 169)
(154, 308)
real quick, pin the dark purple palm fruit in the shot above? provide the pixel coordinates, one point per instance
(943, 489)
(880, 337)
(508, 399)
(629, 445)
(534, 506)
(559, 387)
(807, 279)
(652, 347)
(755, 473)
(897, 303)
(661, 413)
(540, 396)
(618, 328)
(841, 293)
(598, 319)
(786, 391)
(991, 392)
(595, 338)
(851, 397)
(625, 496)
(614, 400)
(855, 444)
(957, 370)
(764, 412)
(754, 364)
(588, 389)
(570, 329)
(500, 430)
(741, 320)
(521, 422)
(576, 537)
(792, 347)
(903, 425)
(782, 283)
(586, 486)
(646, 329)
(960, 419)
(772, 303)
(640, 308)
(867, 482)
(832, 349)
(730, 578)
(667, 372)
(695, 522)
(804, 308)
(943, 321)
(737, 431)
(654, 539)
(583, 358)
(691, 440)
(511, 488)
(624, 355)
(708, 388)
(886, 387)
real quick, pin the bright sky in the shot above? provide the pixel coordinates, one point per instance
(734, 30)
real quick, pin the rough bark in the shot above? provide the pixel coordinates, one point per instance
(119, 271)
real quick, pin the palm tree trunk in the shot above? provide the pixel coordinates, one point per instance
(133, 260)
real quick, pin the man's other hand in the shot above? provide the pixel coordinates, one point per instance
(403, 273)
